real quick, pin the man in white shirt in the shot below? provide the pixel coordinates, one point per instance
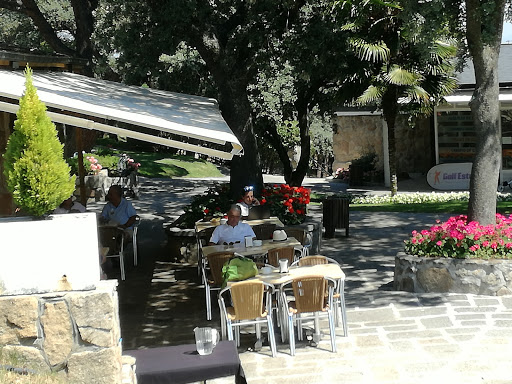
(233, 231)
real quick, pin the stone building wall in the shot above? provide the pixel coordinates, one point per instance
(356, 135)
(76, 333)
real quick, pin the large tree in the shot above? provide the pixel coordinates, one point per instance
(484, 27)
(65, 34)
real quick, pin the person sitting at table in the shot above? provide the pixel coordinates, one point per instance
(118, 211)
(233, 231)
(69, 206)
(248, 200)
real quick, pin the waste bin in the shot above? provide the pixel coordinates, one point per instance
(335, 215)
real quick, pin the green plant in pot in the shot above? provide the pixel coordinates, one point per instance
(36, 173)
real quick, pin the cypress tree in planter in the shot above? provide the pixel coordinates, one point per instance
(37, 175)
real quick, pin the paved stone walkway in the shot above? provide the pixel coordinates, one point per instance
(394, 337)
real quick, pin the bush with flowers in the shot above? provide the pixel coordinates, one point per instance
(94, 165)
(458, 238)
(342, 174)
(215, 202)
(289, 204)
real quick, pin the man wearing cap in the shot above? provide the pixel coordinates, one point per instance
(248, 200)
(233, 231)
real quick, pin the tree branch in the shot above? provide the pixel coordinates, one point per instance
(31, 9)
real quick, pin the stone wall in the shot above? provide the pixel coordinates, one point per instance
(427, 274)
(76, 333)
(356, 135)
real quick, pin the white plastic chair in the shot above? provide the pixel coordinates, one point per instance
(134, 239)
(113, 238)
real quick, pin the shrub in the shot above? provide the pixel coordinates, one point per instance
(456, 238)
(215, 202)
(36, 173)
(289, 204)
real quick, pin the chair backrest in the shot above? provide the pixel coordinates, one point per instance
(247, 297)
(274, 254)
(264, 231)
(205, 235)
(309, 293)
(298, 233)
(110, 237)
(216, 261)
(312, 260)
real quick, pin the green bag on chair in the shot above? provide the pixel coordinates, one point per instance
(238, 268)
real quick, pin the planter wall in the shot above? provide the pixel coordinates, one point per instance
(58, 254)
(74, 333)
(427, 274)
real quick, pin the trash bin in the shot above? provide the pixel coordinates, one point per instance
(335, 215)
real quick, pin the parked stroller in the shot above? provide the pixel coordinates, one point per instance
(503, 186)
(126, 175)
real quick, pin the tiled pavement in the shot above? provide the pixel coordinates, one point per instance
(394, 337)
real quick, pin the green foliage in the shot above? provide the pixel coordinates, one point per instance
(366, 161)
(106, 161)
(36, 173)
(215, 202)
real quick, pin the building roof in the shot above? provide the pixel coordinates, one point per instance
(147, 113)
(467, 76)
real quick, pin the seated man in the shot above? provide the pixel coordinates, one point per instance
(118, 211)
(69, 206)
(233, 231)
(248, 200)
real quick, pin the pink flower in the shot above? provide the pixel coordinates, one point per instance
(439, 243)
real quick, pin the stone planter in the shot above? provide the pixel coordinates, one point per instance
(428, 274)
(57, 254)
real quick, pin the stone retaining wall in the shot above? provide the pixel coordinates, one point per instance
(76, 333)
(427, 274)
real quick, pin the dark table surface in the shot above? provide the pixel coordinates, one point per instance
(182, 364)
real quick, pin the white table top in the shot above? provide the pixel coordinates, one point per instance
(328, 270)
(241, 249)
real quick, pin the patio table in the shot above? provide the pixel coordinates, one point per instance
(202, 225)
(241, 249)
(277, 279)
(182, 364)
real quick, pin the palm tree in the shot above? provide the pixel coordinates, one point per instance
(410, 69)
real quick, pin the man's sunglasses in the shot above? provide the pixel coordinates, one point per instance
(236, 242)
(248, 188)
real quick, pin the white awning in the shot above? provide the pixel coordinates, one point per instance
(101, 104)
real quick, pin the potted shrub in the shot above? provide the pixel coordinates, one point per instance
(458, 256)
(36, 173)
(43, 255)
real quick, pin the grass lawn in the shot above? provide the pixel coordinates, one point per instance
(165, 165)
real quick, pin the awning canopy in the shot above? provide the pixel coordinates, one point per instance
(135, 112)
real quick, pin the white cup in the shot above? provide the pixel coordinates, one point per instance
(283, 265)
(223, 221)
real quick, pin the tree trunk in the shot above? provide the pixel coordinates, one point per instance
(390, 112)
(84, 20)
(485, 110)
(236, 110)
(300, 172)
(484, 39)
